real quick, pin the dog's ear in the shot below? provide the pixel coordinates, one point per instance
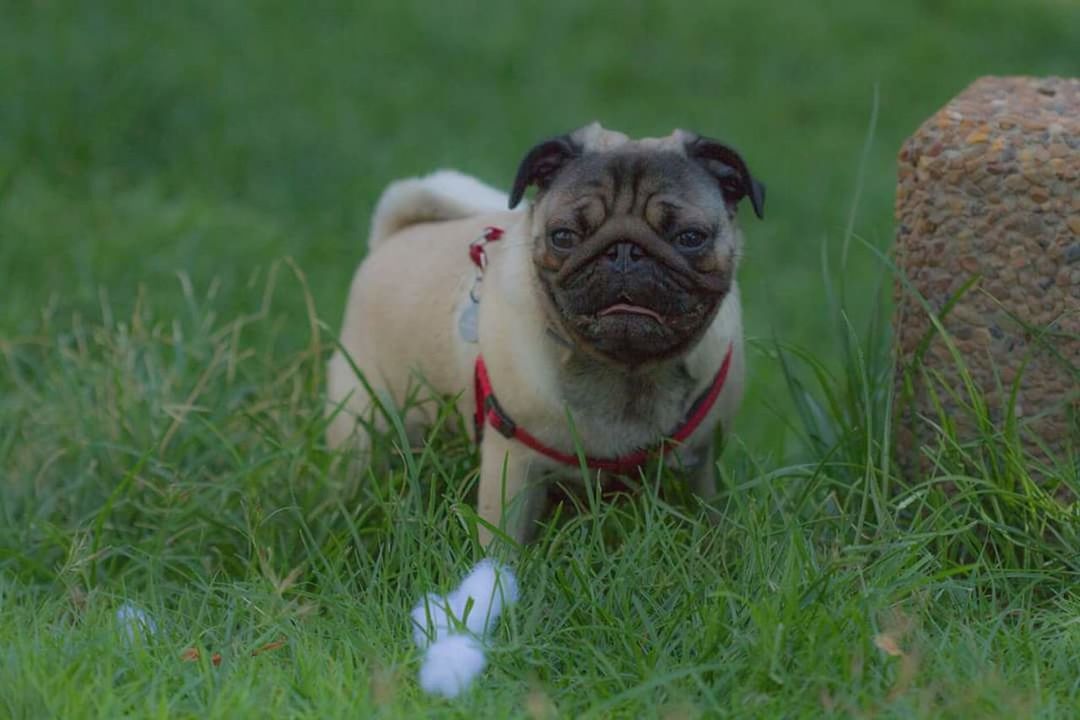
(730, 170)
(541, 164)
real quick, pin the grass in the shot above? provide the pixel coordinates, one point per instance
(160, 414)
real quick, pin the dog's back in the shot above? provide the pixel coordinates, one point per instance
(442, 195)
(431, 220)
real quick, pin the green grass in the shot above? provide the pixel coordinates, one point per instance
(160, 413)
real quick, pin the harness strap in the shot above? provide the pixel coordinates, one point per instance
(489, 412)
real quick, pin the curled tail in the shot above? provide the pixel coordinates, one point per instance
(442, 195)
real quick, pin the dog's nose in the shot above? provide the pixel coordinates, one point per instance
(622, 256)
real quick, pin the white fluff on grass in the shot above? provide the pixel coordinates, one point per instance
(430, 620)
(451, 664)
(491, 587)
(452, 629)
(135, 622)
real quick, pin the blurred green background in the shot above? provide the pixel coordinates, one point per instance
(140, 140)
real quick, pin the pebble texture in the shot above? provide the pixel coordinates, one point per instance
(990, 187)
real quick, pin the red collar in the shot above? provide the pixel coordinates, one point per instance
(489, 412)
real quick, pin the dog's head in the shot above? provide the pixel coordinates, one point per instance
(635, 241)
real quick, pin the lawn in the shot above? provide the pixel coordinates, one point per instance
(184, 193)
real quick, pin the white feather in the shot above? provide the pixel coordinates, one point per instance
(451, 664)
(491, 587)
(431, 620)
(135, 622)
(452, 629)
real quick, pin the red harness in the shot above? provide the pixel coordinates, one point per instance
(489, 412)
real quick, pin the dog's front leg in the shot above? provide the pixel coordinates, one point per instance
(702, 478)
(512, 494)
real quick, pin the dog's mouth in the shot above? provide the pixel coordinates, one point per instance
(628, 309)
(630, 334)
(631, 319)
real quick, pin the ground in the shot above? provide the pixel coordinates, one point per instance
(184, 193)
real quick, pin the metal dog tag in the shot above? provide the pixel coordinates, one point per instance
(469, 323)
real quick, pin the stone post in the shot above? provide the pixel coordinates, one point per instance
(989, 188)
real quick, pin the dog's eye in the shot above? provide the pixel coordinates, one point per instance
(690, 240)
(563, 239)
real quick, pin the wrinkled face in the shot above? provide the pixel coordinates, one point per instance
(635, 252)
(636, 246)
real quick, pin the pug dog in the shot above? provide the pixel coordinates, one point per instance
(593, 328)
